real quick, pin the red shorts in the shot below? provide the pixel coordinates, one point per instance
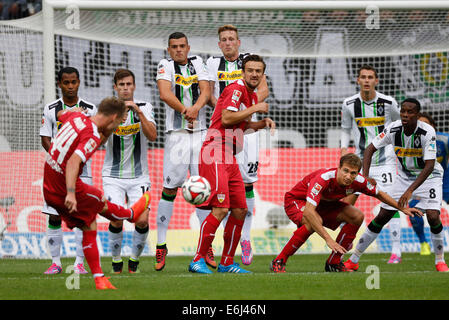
(227, 187)
(89, 204)
(328, 211)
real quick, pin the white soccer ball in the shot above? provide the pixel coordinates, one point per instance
(196, 190)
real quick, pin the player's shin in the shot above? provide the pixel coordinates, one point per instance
(140, 236)
(231, 237)
(91, 253)
(437, 237)
(207, 235)
(115, 242)
(345, 238)
(368, 237)
(296, 241)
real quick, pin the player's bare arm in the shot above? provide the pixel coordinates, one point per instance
(46, 142)
(168, 96)
(191, 113)
(313, 222)
(261, 124)
(385, 198)
(428, 168)
(367, 155)
(212, 100)
(230, 118)
(148, 127)
(72, 170)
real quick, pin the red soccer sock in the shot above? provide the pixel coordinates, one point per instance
(116, 212)
(296, 241)
(207, 235)
(231, 236)
(345, 238)
(91, 253)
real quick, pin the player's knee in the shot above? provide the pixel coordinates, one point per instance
(117, 224)
(54, 221)
(358, 219)
(433, 217)
(220, 213)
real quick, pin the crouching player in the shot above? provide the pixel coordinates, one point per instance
(315, 203)
(78, 203)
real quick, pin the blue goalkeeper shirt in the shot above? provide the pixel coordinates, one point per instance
(443, 157)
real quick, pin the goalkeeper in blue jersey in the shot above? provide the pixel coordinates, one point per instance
(442, 158)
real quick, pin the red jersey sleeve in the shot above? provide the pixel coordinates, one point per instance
(366, 187)
(315, 190)
(232, 97)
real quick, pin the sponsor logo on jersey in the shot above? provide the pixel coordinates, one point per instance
(90, 146)
(404, 152)
(80, 125)
(127, 130)
(182, 81)
(370, 122)
(316, 189)
(229, 75)
(236, 95)
(221, 197)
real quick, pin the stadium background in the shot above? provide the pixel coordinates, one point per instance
(311, 67)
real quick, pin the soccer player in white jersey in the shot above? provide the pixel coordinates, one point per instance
(364, 116)
(420, 177)
(224, 70)
(125, 168)
(68, 82)
(183, 85)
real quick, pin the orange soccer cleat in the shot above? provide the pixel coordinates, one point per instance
(140, 206)
(351, 265)
(102, 283)
(161, 252)
(210, 260)
(442, 267)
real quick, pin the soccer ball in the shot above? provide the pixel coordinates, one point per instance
(196, 190)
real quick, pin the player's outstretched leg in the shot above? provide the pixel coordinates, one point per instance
(78, 266)
(298, 238)
(395, 233)
(436, 234)
(54, 240)
(231, 237)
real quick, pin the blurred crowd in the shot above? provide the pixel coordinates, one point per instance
(16, 9)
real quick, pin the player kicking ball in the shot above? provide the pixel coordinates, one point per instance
(77, 202)
(315, 203)
(420, 176)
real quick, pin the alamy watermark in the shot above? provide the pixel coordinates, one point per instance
(72, 282)
(372, 21)
(72, 22)
(373, 280)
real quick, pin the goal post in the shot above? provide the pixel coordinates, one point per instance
(312, 49)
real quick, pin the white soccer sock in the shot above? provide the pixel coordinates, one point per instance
(164, 213)
(395, 233)
(54, 241)
(139, 241)
(365, 240)
(115, 243)
(438, 246)
(246, 229)
(79, 246)
(202, 214)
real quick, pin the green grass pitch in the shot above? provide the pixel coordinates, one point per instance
(414, 278)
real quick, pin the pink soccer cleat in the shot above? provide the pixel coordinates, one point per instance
(79, 269)
(247, 252)
(442, 267)
(394, 259)
(54, 269)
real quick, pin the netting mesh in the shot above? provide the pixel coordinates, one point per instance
(312, 58)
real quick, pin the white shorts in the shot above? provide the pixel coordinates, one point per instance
(50, 210)
(125, 192)
(248, 158)
(181, 155)
(429, 194)
(385, 177)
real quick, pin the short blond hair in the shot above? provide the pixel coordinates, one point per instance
(228, 27)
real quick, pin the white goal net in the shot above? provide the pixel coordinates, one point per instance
(312, 57)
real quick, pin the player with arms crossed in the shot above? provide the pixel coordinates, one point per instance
(364, 116)
(420, 176)
(68, 82)
(77, 202)
(224, 70)
(230, 120)
(183, 86)
(125, 168)
(316, 202)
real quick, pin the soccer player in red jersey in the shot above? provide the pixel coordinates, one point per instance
(79, 203)
(231, 118)
(315, 203)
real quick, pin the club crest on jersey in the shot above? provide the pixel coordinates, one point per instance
(316, 189)
(221, 197)
(349, 191)
(236, 95)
